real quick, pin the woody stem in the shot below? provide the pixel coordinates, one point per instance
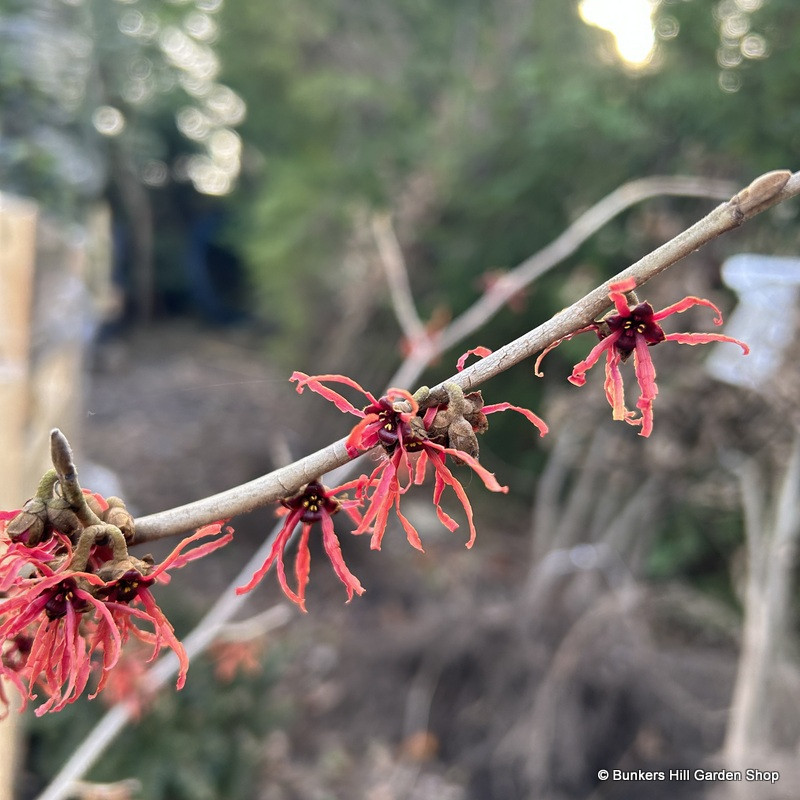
(44, 491)
(87, 539)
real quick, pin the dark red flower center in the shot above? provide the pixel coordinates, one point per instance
(126, 588)
(392, 427)
(388, 421)
(62, 595)
(638, 324)
(314, 502)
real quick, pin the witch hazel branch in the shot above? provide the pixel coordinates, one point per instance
(74, 594)
(763, 193)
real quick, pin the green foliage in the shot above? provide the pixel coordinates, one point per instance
(695, 543)
(508, 111)
(518, 116)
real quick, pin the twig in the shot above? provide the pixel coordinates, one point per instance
(119, 790)
(394, 266)
(251, 628)
(722, 219)
(763, 193)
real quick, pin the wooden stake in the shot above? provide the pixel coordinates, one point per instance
(17, 260)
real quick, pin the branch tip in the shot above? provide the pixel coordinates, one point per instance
(763, 189)
(61, 455)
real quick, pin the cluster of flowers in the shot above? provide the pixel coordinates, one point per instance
(73, 595)
(411, 439)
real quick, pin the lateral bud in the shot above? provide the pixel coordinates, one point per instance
(117, 514)
(30, 526)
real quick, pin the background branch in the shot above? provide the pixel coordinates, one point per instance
(772, 542)
(394, 266)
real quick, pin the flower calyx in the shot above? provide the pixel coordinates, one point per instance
(92, 520)
(124, 578)
(69, 529)
(31, 525)
(44, 513)
(457, 422)
(64, 595)
(62, 517)
(636, 322)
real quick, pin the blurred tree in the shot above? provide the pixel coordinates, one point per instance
(511, 116)
(115, 100)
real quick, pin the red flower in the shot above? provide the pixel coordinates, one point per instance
(443, 477)
(12, 661)
(57, 618)
(384, 422)
(42, 633)
(633, 330)
(128, 683)
(314, 503)
(379, 419)
(233, 657)
(405, 441)
(393, 422)
(130, 587)
(66, 624)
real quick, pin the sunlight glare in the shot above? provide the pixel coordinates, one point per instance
(631, 23)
